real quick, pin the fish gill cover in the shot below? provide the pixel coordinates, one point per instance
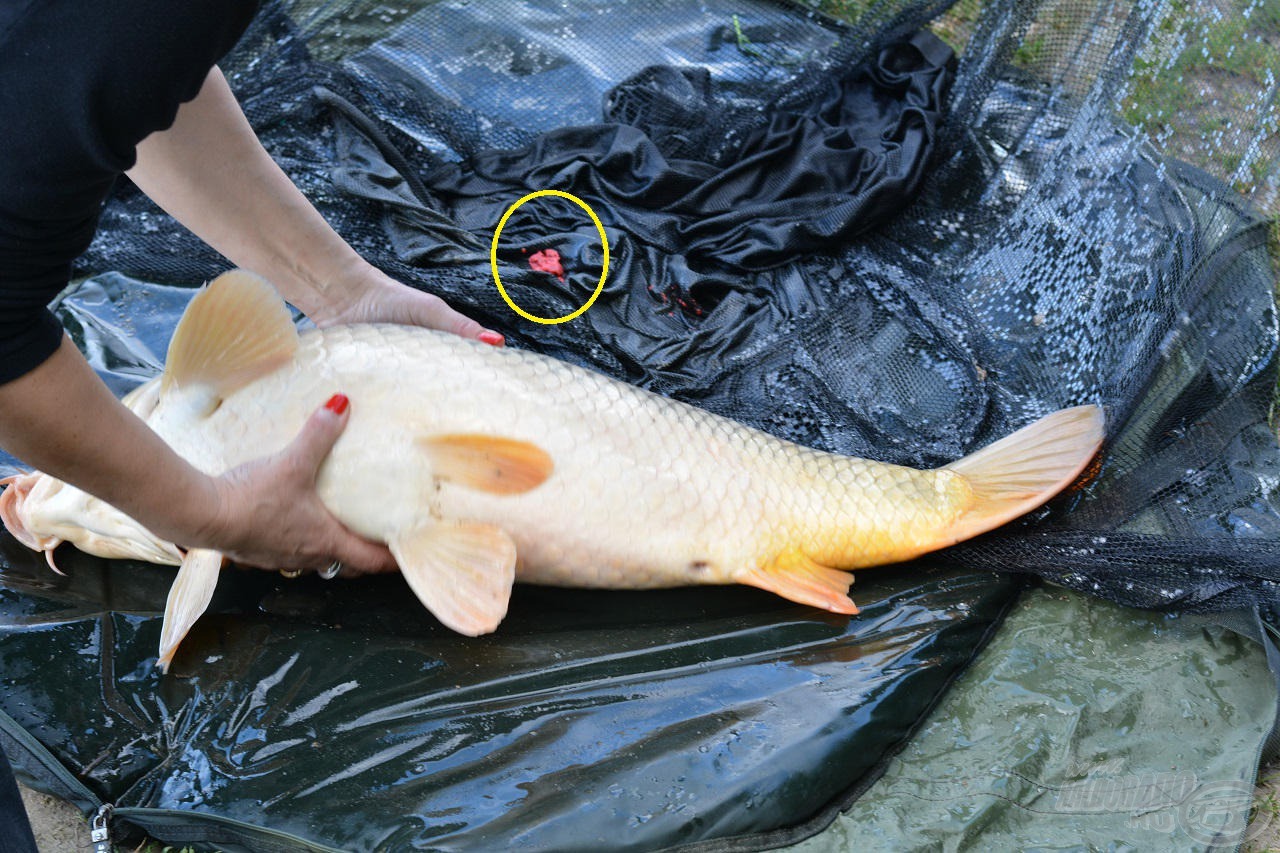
(833, 231)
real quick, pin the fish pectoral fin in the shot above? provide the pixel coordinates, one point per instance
(461, 571)
(234, 331)
(189, 597)
(502, 466)
(796, 577)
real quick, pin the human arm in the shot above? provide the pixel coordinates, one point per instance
(212, 174)
(61, 419)
(82, 87)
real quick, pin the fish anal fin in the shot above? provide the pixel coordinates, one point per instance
(461, 571)
(796, 577)
(1021, 471)
(502, 466)
(189, 597)
(234, 331)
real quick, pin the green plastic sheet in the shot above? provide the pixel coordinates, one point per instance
(1082, 726)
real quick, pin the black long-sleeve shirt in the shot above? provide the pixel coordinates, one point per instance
(81, 84)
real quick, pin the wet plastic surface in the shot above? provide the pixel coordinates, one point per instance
(590, 720)
(1082, 726)
(1053, 256)
(626, 720)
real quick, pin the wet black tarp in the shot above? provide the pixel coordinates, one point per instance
(343, 714)
(1052, 256)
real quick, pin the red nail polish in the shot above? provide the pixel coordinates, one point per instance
(491, 338)
(338, 403)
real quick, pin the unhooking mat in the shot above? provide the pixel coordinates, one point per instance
(1051, 256)
(1082, 726)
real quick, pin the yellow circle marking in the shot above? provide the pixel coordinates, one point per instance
(493, 256)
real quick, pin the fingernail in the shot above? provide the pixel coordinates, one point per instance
(338, 403)
(491, 338)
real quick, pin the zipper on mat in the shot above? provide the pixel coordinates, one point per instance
(45, 759)
(100, 820)
(146, 818)
(156, 820)
(100, 830)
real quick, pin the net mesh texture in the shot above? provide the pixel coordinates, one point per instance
(822, 223)
(1089, 223)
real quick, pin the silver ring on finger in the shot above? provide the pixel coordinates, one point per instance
(290, 574)
(330, 571)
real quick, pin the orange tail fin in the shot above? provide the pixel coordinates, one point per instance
(1021, 471)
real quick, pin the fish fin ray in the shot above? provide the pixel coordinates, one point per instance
(502, 466)
(796, 577)
(234, 331)
(461, 571)
(1021, 471)
(189, 597)
(16, 488)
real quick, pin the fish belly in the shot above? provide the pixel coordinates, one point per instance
(645, 491)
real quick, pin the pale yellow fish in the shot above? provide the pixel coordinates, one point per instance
(481, 466)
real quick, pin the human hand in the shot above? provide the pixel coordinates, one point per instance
(370, 296)
(270, 516)
(212, 174)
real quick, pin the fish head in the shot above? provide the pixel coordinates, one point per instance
(13, 511)
(42, 512)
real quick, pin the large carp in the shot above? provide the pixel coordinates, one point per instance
(480, 466)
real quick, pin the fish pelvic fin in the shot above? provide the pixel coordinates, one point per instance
(502, 466)
(796, 577)
(234, 331)
(461, 571)
(1023, 470)
(189, 597)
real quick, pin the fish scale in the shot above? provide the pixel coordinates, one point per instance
(479, 465)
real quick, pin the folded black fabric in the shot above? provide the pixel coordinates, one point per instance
(808, 180)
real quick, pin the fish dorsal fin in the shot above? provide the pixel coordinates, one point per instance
(189, 597)
(502, 466)
(461, 571)
(234, 331)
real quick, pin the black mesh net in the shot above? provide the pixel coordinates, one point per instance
(1083, 219)
(896, 230)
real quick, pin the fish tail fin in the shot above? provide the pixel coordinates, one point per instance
(796, 577)
(189, 597)
(1023, 470)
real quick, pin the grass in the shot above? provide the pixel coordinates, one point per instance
(1198, 91)
(1207, 74)
(1264, 816)
(1273, 244)
(1203, 88)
